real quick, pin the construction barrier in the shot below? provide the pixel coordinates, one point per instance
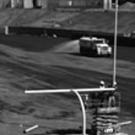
(106, 113)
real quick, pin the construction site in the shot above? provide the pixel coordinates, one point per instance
(47, 86)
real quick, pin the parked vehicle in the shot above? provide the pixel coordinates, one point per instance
(94, 46)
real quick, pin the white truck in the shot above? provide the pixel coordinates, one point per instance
(94, 46)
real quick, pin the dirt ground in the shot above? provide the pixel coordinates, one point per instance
(44, 63)
(82, 20)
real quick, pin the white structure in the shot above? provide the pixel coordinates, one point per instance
(6, 30)
(16, 3)
(107, 4)
(13, 3)
(28, 4)
(70, 3)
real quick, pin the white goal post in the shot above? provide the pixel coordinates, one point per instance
(81, 90)
(77, 93)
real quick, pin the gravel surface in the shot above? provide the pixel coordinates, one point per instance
(40, 63)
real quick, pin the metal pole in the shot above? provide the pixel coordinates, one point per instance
(115, 43)
(83, 111)
(30, 129)
(68, 90)
(6, 30)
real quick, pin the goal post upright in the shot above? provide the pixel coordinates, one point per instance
(115, 44)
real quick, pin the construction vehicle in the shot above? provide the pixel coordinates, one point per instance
(94, 46)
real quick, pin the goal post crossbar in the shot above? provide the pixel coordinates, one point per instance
(69, 90)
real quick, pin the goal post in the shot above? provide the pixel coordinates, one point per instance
(77, 93)
(81, 90)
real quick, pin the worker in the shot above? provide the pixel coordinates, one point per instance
(102, 84)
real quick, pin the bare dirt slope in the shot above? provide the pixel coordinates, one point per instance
(32, 17)
(102, 21)
(85, 20)
(54, 65)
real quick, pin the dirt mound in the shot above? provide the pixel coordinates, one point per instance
(86, 20)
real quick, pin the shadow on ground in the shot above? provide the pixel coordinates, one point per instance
(68, 131)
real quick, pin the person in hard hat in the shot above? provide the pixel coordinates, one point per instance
(102, 84)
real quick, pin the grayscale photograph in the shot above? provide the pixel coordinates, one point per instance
(67, 67)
